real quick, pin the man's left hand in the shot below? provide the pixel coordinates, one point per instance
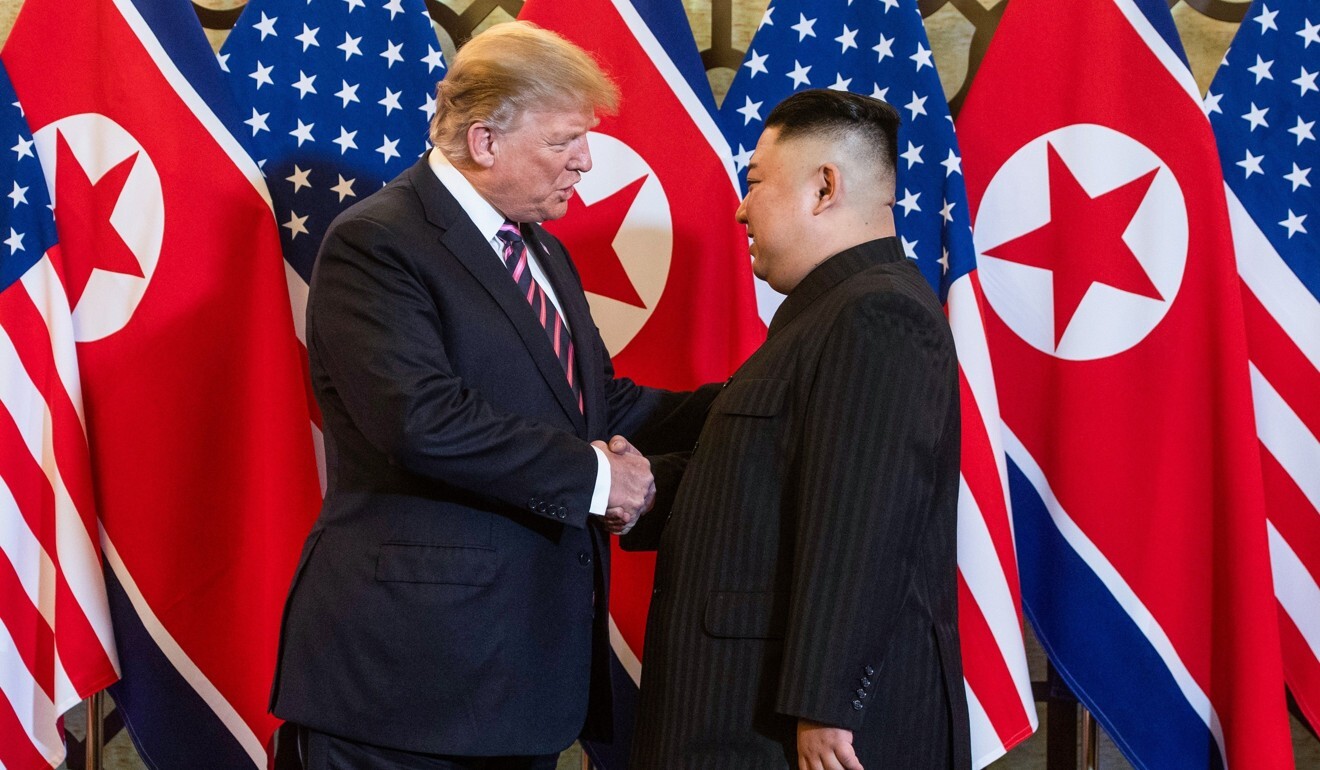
(821, 747)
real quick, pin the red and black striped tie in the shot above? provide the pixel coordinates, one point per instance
(515, 258)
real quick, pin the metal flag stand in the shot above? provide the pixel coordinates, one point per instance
(95, 735)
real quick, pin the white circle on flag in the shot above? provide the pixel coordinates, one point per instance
(1108, 320)
(98, 144)
(644, 242)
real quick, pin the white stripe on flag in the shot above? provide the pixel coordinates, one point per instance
(75, 551)
(1114, 583)
(1294, 308)
(36, 570)
(46, 291)
(627, 658)
(35, 711)
(298, 299)
(986, 580)
(986, 746)
(968, 327)
(1295, 588)
(1287, 438)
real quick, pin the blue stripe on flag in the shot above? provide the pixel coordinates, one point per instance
(165, 716)
(1098, 649)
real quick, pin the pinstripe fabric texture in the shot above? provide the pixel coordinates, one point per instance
(808, 566)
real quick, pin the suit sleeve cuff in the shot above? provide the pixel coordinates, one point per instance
(600, 497)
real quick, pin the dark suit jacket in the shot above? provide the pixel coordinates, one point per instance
(809, 566)
(451, 596)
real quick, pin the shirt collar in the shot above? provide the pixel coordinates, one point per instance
(478, 209)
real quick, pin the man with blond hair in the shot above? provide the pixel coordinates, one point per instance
(449, 608)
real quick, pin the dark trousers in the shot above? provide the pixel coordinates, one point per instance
(327, 752)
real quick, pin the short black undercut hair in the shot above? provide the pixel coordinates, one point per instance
(821, 111)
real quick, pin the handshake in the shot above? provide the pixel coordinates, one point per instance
(632, 485)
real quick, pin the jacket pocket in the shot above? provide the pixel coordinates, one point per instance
(751, 398)
(745, 614)
(448, 564)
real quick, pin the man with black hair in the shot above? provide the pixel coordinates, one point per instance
(804, 613)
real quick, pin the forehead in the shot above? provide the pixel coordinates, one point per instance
(769, 150)
(566, 120)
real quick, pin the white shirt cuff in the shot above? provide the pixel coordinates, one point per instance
(600, 497)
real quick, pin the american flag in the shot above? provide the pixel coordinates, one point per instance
(1264, 104)
(337, 96)
(879, 48)
(56, 643)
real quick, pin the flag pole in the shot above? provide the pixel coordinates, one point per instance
(1090, 744)
(94, 730)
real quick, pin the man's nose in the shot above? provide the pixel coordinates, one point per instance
(581, 160)
(741, 213)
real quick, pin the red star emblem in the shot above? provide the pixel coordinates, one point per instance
(1082, 244)
(589, 232)
(88, 241)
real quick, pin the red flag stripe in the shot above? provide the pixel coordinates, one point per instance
(994, 683)
(1301, 666)
(63, 531)
(982, 479)
(34, 641)
(42, 558)
(33, 329)
(1295, 517)
(17, 749)
(1281, 361)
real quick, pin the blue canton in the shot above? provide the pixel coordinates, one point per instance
(27, 223)
(1264, 104)
(340, 95)
(878, 48)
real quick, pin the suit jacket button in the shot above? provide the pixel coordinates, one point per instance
(541, 507)
(531, 503)
(857, 705)
(584, 558)
(870, 671)
(563, 512)
(866, 682)
(861, 693)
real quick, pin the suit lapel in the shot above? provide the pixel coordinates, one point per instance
(461, 238)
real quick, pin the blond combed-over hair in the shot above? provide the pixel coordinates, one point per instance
(507, 70)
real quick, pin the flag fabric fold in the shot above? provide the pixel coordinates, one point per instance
(196, 412)
(881, 50)
(1263, 105)
(56, 641)
(1114, 319)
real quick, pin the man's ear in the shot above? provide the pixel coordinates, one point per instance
(829, 188)
(481, 144)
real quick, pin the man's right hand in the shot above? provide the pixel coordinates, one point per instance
(632, 486)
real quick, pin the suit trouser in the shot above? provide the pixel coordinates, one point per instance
(321, 751)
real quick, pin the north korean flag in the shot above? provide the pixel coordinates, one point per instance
(1115, 325)
(652, 232)
(196, 410)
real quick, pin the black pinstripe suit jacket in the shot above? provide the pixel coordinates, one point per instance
(808, 567)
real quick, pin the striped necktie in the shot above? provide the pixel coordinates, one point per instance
(515, 258)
